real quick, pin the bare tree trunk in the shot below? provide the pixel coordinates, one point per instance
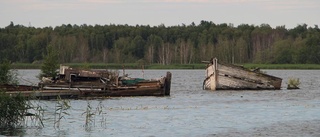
(105, 54)
(191, 55)
(181, 52)
(175, 54)
(162, 54)
(185, 53)
(168, 54)
(118, 55)
(150, 54)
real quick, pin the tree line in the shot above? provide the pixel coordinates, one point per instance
(181, 44)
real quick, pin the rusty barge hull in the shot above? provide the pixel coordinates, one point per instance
(221, 76)
(75, 83)
(7, 87)
(81, 90)
(85, 93)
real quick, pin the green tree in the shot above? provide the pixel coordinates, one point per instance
(282, 52)
(50, 63)
(7, 75)
(161, 44)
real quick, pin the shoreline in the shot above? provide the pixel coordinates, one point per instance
(171, 66)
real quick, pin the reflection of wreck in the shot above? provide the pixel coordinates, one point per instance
(75, 83)
(228, 76)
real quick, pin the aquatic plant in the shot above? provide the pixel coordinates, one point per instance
(293, 83)
(90, 115)
(61, 109)
(13, 110)
(35, 113)
(16, 109)
(7, 75)
(99, 111)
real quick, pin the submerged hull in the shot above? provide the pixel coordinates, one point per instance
(221, 76)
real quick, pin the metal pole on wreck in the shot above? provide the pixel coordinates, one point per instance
(142, 71)
(123, 71)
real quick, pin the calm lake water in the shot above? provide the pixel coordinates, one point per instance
(191, 111)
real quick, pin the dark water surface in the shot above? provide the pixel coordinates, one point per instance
(191, 111)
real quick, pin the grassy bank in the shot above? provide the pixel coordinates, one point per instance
(172, 66)
(283, 66)
(114, 66)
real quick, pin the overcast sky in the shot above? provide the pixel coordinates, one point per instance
(43, 13)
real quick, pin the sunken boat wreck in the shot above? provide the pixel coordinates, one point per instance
(79, 83)
(222, 76)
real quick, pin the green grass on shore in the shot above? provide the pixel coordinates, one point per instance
(283, 66)
(159, 66)
(114, 66)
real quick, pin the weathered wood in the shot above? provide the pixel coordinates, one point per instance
(246, 74)
(229, 76)
(167, 83)
(234, 83)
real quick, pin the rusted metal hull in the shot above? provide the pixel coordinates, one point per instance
(84, 93)
(221, 76)
(76, 90)
(7, 87)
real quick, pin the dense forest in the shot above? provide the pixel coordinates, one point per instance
(181, 44)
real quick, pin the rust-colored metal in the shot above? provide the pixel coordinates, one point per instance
(77, 83)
